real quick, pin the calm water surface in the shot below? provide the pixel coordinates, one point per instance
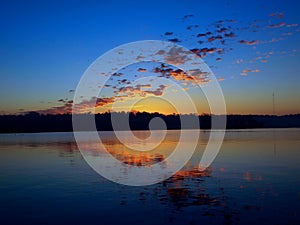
(254, 180)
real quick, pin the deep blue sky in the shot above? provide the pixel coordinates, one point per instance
(47, 45)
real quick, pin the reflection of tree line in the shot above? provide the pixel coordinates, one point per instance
(35, 122)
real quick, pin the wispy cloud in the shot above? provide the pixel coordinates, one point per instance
(277, 25)
(254, 42)
(292, 25)
(276, 14)
(246, 71)
(188, 16)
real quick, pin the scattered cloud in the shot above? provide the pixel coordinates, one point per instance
(176, 56)
(168, 33)
(213, 38)
(222, 30)
(292, 25)
(117, 74)
(281, 24)
(254, 42)
(175, 40)
(246, 71)
(239, 61)
(142, 70)
(139, 89)
(287, 34)
(192, 27)
(211, 41)
(161, 52)
(230, 35)
(204, 34)
(276, 14)
(203, 51)
(188, 16)
(94, 102)
(192, 76)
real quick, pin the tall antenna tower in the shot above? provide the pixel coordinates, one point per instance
(274, 132)
(273, 104)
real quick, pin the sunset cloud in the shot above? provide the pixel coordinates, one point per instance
(276, 14)
(246, 71)
(124, 81)
(204, 34)
(104, 101)
(63, 109)
(175, 40)
(123, 94)
(281, 24)
(142, 70)
(230, 43)
(212, 41)
(117, 74)
(176, 56)
(192, 76)
(139, 89)
(202, 52)
(192, 27)
(222, 30)
(87, 105)
(188, 16)
(230, 35)
(168, 33)
(213, 38)
(81, 107)
(254, 42)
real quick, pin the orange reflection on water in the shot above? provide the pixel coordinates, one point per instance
(191, 173)
(250, 177)
(143, 159)
(184, 188)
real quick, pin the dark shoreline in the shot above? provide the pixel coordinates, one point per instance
(37, 123)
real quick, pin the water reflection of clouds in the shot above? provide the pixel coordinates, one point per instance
(237, 188)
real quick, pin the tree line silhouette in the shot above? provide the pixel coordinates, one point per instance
(35, 122)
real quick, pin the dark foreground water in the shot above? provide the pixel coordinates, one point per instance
(255, 179)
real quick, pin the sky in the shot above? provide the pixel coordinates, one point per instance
(252, 47)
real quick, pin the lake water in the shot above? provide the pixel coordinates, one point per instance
(254, 180)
